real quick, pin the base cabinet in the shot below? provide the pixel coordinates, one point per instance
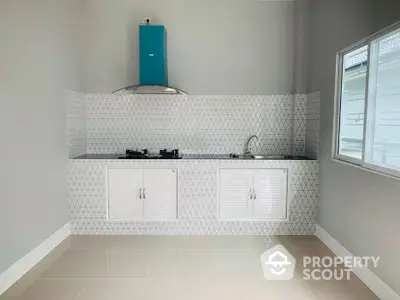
(160, 194)
(124, 194)
(253, 194)
(141, 194)
(235, 188)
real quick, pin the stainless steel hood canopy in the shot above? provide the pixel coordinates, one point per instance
(149, 90)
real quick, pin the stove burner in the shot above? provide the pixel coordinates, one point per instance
(169, 154)
(144, 154)
(136, 154)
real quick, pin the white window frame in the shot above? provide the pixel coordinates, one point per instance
(336, 156)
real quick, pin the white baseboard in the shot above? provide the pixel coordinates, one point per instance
(21, 267)
(373, 282)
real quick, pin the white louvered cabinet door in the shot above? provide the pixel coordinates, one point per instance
(235, 189)
(123, 189)
(160, 194)
(270, 197)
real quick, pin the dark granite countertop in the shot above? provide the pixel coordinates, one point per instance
(198, 156)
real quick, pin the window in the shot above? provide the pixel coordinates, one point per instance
(368, 114)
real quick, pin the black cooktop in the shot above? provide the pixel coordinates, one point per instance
(144, 154)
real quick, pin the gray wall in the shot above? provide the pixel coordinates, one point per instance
(38, 46)
(358, 208)
(214, 47)
(302, 46)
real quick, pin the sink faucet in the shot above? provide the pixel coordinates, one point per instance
(247, 150)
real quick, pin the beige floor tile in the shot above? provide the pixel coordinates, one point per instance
(53, 289)
(79, 264)
(128, 289)
(161, 263)
(209, 263)
(141, 263)
(126, 263)
(241, 288)
(30, 277)
(180, 267)
(339, 289)
(221, 242)
(308, 245)
(166, 242)
(240, 263)
(120, 242)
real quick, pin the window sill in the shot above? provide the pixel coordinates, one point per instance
(392, 174)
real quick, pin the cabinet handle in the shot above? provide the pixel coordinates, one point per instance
(255, 195)
(251, 194)
(144, 193)
(140, 193)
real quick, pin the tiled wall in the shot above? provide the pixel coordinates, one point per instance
(197, 199)
(299, 124)
(312, 125)
(76, 123)
(194, 124)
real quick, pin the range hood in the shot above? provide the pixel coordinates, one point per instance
(153, 73)
(149, 90)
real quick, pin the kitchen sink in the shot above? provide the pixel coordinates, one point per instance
(261, 156)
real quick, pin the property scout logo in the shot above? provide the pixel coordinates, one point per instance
(278, 264)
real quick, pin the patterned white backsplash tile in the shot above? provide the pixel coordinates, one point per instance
(75, 106)
(299, 124)
(197, 199)
(194, 124)
(312, 125)
(104, 123)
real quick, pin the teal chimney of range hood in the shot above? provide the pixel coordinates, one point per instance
(152, 55)
(153, 73)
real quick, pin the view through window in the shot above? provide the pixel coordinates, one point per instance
(353, 102)
(369, 116)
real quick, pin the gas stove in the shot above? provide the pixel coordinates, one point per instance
(144, 154)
